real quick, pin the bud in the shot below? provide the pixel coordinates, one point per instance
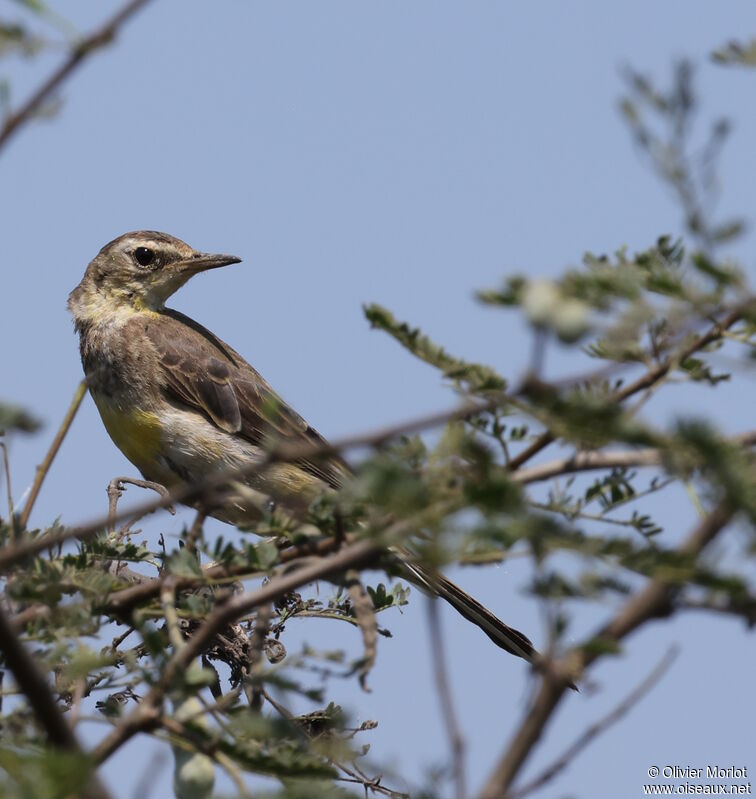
(540, 300)
(571, 320)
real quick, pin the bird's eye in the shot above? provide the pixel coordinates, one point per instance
(144, 256)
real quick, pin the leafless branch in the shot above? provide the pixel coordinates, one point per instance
(78, 55)
(598, 727)
(540, 443)
(364, 613)
(148, 781)
(44, 467)
(589, 461)
(453, 731)
(252, 686)
(9, 489)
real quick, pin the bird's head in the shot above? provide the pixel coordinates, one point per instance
(139, 270)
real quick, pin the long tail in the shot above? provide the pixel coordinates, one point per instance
(432, 582)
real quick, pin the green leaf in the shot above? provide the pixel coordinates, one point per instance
(83, 662)
(46, 774)
(383, 598)
(475, 377)
(14, 38)
(736, 53)
(14, 418)
(509, 294)
(197, 675)
(721, 274)
(183, 563)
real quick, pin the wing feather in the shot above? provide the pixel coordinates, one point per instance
(205, 374)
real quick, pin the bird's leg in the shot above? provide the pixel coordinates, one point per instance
(115, 490)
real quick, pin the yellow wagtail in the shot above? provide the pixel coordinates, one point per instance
(183, 406)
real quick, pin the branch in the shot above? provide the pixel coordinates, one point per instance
(147, 714)
(456, 739)
(9, 488)
(79, 53)
(123, 601)
(252, 683)
(598, 727)
(649, 378)
(44, 467)
(364, 615)
(742, 608)
(714, 333)
(589, 461)
(33, 684)
(651, 602)
(355, 775)
(540, 443)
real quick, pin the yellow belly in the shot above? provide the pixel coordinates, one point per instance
(135, 432)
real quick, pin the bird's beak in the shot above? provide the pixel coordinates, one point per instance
(203, 261)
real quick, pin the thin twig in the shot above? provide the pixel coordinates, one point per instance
(355, 775)
(168, 603)
(233, 771)
(149, 779)
(592, 460)
(194, 532)
(453, 731)
(28, 615)
(11, 512)
(588, 461)
(650, 377)
(79, 53)
(594, 730)
(79, 692)
(252, 685)
(364, 614)
(44, 467)
(540, 443)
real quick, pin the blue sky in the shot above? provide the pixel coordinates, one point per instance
(404, 153)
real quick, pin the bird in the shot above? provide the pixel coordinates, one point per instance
(184, 407)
